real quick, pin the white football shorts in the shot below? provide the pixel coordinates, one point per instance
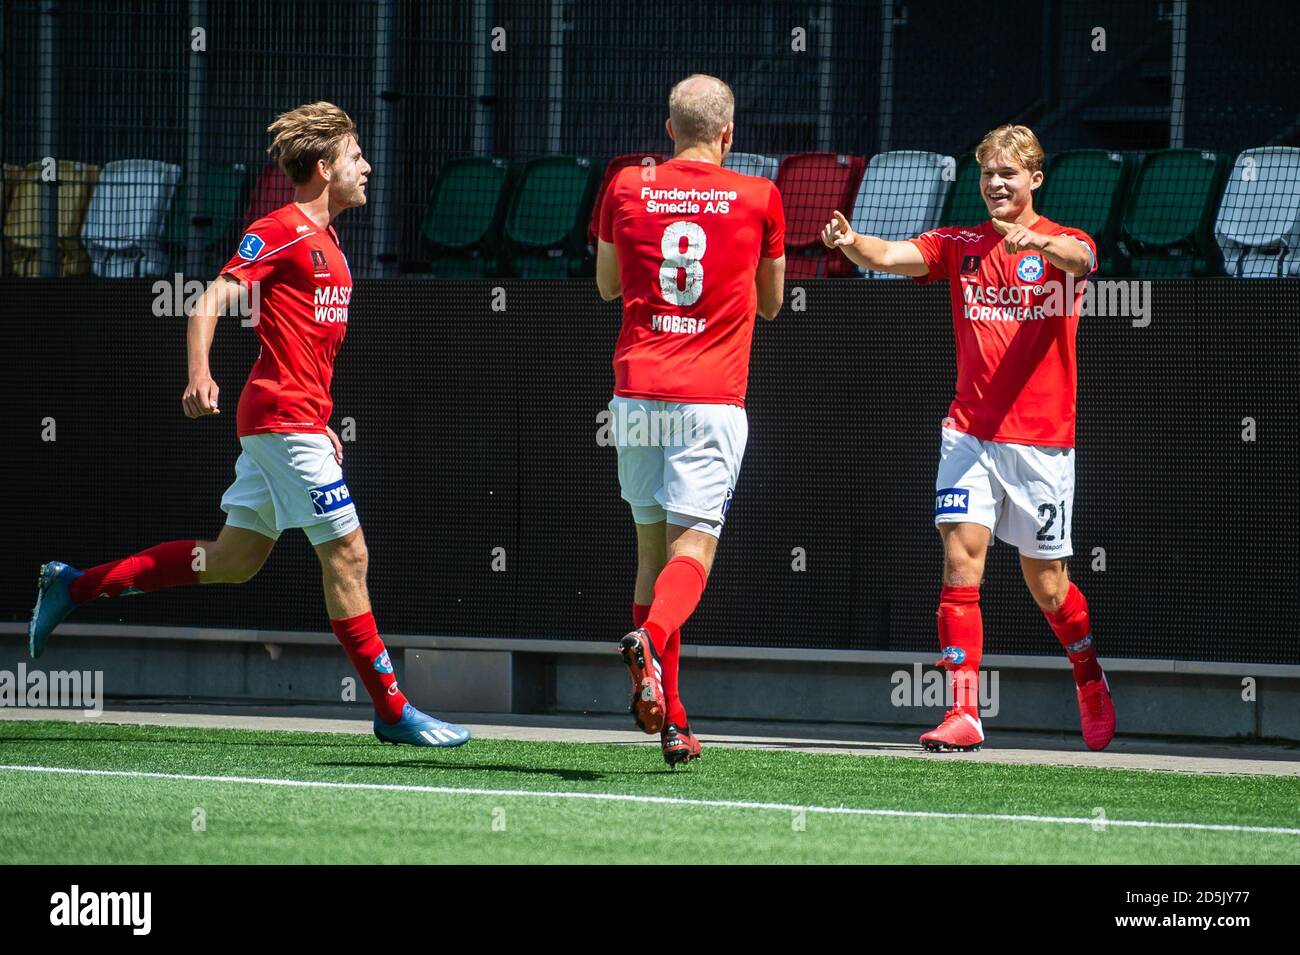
(290, 480)
(1023, 493)
(678, 462)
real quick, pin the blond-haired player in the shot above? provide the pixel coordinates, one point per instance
(1006, 449)
(289, 473)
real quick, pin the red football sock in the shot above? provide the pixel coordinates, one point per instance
(163, 565)
(1073, 627)
(639, 613)
(961, 641)
(671, 659)
(360, 638)
(677, 592)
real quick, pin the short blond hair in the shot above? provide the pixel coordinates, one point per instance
(303, 136)
(700, 106)
(1018, 142)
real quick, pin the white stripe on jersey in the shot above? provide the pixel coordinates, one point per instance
(272, 252)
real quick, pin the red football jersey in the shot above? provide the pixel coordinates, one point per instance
(1015, 317)
(305, 287)
(688, 242)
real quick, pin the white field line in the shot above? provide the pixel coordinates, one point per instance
(1100, 823)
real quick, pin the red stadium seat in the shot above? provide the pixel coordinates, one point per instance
(614, 165)
(272, 191)
(813, 185)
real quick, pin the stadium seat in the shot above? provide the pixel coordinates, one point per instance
(963, 205)
(547, 215)
(1258, 225)
(271, 191)
(1169, 214)
(901, 196)
(752, 164)
(221, 194)
(22, 224)
(124, 222)
(1084, 188)
(812, 186)
(463, 217)
(611, 169)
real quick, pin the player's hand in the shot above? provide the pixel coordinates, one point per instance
(1017, 238)
(338, 445)
(838, 233)
(200, 397)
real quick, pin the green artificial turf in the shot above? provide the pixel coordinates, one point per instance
(47, 817)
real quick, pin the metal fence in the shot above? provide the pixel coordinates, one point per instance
(134, 132)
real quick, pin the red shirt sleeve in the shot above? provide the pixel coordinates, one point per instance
(260, 251)
(607, 203)
(934, 249)
(774, 226)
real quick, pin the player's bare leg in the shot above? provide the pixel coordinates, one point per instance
(1066, 610)
(961, 635)
(235, 556)
(344, 562)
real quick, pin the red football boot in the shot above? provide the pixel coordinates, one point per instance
(960, 731)
(1096, 713)
(648, 706)
(679, 744)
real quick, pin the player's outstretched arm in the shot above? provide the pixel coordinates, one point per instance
(770, 282)
(200, 397)
(873, 254)
(608, 280)
(1064, 251)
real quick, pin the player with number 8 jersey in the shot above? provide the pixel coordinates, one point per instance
(695, 250)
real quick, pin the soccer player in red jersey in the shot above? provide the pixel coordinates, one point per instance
(289, 473)
(695, 250)
(1006, 463)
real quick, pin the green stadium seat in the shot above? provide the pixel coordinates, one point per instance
(222, 191)
(547, 214)
(1084, 188)
(964, 206)
(1168, 218)
(463, 218)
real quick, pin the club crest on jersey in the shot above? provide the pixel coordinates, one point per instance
(383, 664)
(250, 246)
(1030, 268)
(970, 265)
(330, 497)
(951, 500)
(954, 655)
(318, 264)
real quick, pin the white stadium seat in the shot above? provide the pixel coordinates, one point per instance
(124, 223)
(902, 195)
(752, 164)
(1258, 225)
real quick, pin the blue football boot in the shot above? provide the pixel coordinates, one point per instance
(420, 729)
(53, 603)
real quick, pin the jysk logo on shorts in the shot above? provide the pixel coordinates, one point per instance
(330, 497)
(951, 500)
(383, 664)
(1030, 268)
(250, 246)
(726, 505)
(953, 655)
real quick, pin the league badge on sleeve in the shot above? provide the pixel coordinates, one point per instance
(1030, 268)
(250, 246)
